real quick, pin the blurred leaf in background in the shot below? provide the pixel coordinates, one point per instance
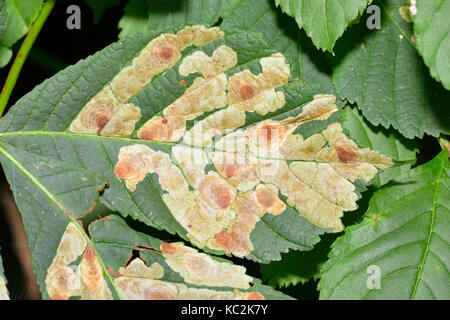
(16, 18)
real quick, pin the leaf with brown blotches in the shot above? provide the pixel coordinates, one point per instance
(196, 130)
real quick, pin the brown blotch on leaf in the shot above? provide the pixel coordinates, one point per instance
(158, 292)
(123, 169)
(97, 117)
(246, 92)
(347, 154)
(267, 198)
(168, 248)
(253, 296)
(216, 192)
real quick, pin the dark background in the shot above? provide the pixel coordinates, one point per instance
(56, 48)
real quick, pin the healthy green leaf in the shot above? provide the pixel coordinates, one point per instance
(3, 290)
(89, 263)
(384, 141)
(382, 72)
(324, 21)
(432, 30)
(404, 238)
(19, 17)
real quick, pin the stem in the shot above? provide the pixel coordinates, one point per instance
(23, 53)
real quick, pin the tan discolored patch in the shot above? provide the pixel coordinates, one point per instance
(138, 269)
(295, 148)
(308, 202)
(322, 178)
(237, 168)
(248, 92)
(193, 163)
(137, 160)
(61, 280)
(321, 108)
(266, 197)
(3, 291)
(218, 123)
(160, 54)
(192, 214)
(200, 269)
(236, 239)
(150, 289)
(105, 115)
(405, 13)
(347, 159)
(93, 281)
(169, 128)
(139, 288)
(202, 96)
(216, 192)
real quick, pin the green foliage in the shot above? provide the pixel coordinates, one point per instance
(381, 71)
(58, 176)
(405, 232)
(323, 21)
(387, 142)
(432, 29)
(19, 17)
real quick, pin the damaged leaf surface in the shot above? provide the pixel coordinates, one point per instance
(202, 131)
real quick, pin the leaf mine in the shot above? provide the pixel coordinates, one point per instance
(91, 273)
(64, 280)
(137, 281)
(160, 54)
(257, 93)
(205, 94)
(200, 269)
(105, 115)
(254, 166)
(61, 280)
(108, 114)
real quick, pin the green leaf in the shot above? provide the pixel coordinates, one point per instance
(404, 235)
(249, 15)
(49, 194)
(3, 290)
(100, 6)
(432, 30)
(20, 16)
(324, 21)
(382, 72)
(43, 123)
(387, 142)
